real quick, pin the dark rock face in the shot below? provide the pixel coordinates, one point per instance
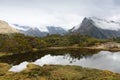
(34, 32)
(55, 30)
(88, 27)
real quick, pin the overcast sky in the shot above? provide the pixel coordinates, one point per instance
(64, 13)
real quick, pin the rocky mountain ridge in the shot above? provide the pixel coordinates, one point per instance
(97, 28)
(39, 31)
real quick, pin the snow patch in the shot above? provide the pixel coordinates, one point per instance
(43, 29)
(105, 24)
(76, 27)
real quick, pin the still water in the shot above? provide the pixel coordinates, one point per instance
(104, 60)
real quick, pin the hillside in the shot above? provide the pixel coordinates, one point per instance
(6, 28)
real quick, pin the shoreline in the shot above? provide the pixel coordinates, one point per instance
(64, 47)
(92, 48)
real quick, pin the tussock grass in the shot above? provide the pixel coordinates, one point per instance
(59, 72)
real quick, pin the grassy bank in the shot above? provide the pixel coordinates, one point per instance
(59, 72)
(19, 43)
(5, 54)
(90, 48)
(63, 48)
(4, 67)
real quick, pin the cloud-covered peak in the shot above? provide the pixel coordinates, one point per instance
(66, 13)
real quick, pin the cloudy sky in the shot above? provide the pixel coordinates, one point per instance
(65, 13)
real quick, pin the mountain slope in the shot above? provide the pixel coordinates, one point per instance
(20, 28)
(5, 28)
(39, 31)
(55, 30)
(98, 28)
(34, 32)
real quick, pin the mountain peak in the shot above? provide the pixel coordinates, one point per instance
(98, 28)
(103, 23)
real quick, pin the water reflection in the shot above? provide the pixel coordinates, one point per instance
(102, 60)
(32, 56)
(81, 57)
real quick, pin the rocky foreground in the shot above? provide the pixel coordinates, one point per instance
(56, 72)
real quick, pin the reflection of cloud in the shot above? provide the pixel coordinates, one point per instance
(20, 67)
(102, 60)
(48, 59)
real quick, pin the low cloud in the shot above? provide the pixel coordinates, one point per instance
(65, 13)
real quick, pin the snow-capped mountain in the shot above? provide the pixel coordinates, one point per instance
(39, 31)
(34, 32)
(106, 24)
(98, 28)
(55, 30)
(20, 27)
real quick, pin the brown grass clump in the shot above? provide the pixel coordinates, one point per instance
(59, 72)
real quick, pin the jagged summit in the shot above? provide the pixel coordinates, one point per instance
(98, 28)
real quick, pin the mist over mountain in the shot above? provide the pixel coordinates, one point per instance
(20, 27)
(34, 32)
(56, 30)
(97, 28)
(39, 31)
